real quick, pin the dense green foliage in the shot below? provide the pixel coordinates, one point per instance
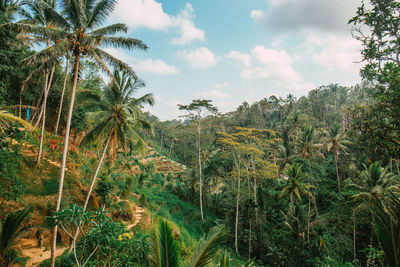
(309, 181)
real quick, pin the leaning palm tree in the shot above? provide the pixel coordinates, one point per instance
(118, 117)
(295, 185)
(80, 33)
(335, 141)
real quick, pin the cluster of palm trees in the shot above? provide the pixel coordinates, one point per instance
(73, 29)
(376, 190)
(309, 146)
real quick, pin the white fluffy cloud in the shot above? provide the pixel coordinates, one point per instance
(186, 28)
(150, 14)
(200, 58)
(272, 65)
(155, 66)
(335, 53)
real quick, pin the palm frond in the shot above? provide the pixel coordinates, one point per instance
(208, 247)
(124, 42)
(11, 227)
(165, 251)
(111, 29)
(100, 12)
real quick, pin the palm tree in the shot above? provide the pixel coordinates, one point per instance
(9, 8)
(335, 141)
(374, 185)
(118, 118)
(6, 120)
(80, 34)
(295, 184)
(306, 143)
(10, 229)
(165, 250)
(36, 13)
(284, 155)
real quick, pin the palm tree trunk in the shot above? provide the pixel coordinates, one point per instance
(200, 173)
(41, 106)
(46, 92)
(237, 208)
(64, 158)
(91, 188)
(62, 96)
(337, 175)
(250, 241)
(354, 237)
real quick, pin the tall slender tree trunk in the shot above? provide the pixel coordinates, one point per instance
(308, 219)
(250, 241)
(64, 158)
(62, 96)
(46, 93)
(354, 238)
(337, 174)
(20, 105)
(43, 123)
(91, 188)
(40, 106)
(237, 206)
(200, 170)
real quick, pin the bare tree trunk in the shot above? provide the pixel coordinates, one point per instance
(62, 96)
(20, 105)
(43, 121)
(337, 175)
(64, 158)
(200, 171)
(237, 207)
(41, 106)
(250, 241)
(91, 189)
(354, 237)
(46, 93)
(308, 219)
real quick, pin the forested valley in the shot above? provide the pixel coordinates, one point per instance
(88, 178)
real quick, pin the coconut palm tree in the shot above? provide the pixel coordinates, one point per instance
(118, 117)
(295, 185)
(80, 33)
(35, 13)
(306, 143)
(335, 141)
(375, 183)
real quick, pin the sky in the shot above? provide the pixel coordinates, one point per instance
(231, 51)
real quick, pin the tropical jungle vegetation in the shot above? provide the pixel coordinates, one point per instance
(88, 178)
